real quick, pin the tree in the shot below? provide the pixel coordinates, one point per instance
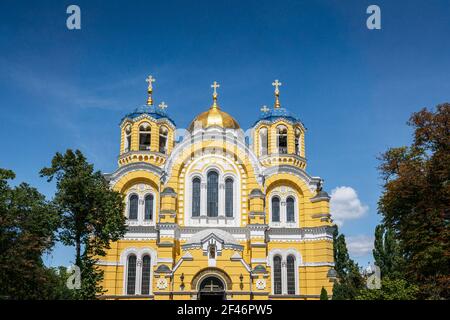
(387, 253)
(415, 201)
(27, 229)
(91, 213)
(323, 294)
(350, 281)
(391, 289)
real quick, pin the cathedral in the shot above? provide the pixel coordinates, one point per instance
(218, 213)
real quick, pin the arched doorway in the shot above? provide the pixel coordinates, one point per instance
(212, 289)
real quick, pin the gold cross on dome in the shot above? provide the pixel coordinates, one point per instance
(150, 80)
(265, 109)
(215, 85)
(163, 105)
(277, 84)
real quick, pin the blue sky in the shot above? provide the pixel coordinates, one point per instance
(353, 88)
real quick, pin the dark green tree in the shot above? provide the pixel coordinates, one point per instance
(349, 281)
(387, 254)
(91, 214)
(323, 294)
(415, 202)
(27, 229)
(391, 289)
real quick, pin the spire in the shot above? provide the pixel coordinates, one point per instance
(215, 85)
(150, 81)
(277, 84)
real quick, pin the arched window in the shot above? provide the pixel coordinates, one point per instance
(144, 136)
(297, 141)
(133, 207)
(275, 209)
(163, 133)
(290, 272)
(196, 197)
(146, 268)
(127, 142)
(263, 142)
(290, 209)
(212, 194)
(282, 139)
(229, 197)
(277, 275)
(148, 207)
(131, 274)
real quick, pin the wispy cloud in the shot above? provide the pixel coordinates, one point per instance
(359, 246)
(345, 205)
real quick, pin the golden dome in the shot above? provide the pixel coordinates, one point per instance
(214, 116)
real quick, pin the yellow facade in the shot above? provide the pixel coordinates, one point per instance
(218, 215)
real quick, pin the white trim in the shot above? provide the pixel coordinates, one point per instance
(139, 253)
(284, 192)
(284, 253)
(141, 190)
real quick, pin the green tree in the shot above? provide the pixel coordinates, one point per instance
(323, 294)
(27, 229)
(387, 254)
(415, 201)
(350, 281)
(91, 214)
(391, 289)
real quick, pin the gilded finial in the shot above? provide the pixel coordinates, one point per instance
(215, 85)
(150, 81)
(277, 84)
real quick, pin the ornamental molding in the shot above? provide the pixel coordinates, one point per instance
(311, 182)
(132, 167)
(278, 118)
(143, 116)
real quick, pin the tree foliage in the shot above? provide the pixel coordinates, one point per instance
(27, 229)
(323, 294)
(391, 289)
(387, 254)
(350, 281)
(415, 203)
(91, 213)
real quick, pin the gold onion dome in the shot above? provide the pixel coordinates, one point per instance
(214, 117)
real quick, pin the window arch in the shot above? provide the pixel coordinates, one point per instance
(131, 274)
(282, 139)
(277, 286)
(290, 209)
(263, 141)
(133, 207)
(144, 136)
(127, 142)
(290, 274)
(275, 209)
(196, 197)
(148, 207)
(297, 141)
(229, 184)
(163, 134)
(146, 269)
(212, 194)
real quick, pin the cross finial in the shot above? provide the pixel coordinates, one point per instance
(163, 105)
(150, 81)
(265, 109)
(215, 85)
(277, 84)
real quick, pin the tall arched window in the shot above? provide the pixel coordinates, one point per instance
(282, 139)
(277, 275)
(229, 197)
(290, 209)
(263, 142)
(148, 207)
(297, 141)
(145, 283)
(163, 133)
(144, 136)
(133, 207)
(275, 209)
(131, 274)
(212, 194)
(127, 142)
(290, 272)
(196, 197)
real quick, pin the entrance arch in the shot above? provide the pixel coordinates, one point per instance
(211, 288)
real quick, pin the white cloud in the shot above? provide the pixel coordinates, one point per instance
(345, 205)
(359, 246)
